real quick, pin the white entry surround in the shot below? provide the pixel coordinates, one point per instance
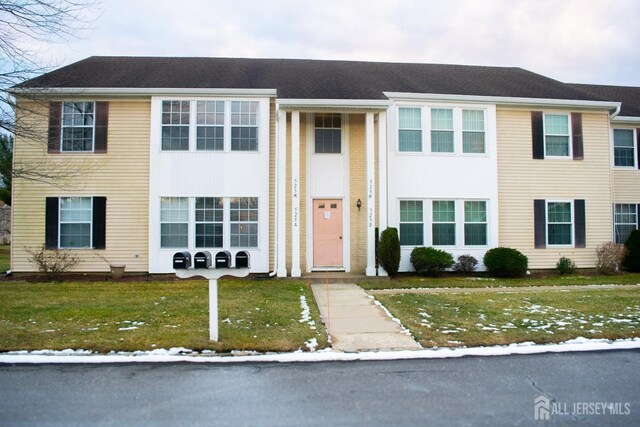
(457, 176)
(209, 174)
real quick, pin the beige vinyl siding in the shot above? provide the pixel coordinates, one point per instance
(121, 175)
(522, 179)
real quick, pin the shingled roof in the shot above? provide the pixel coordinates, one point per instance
(307, 79)
(629, 96)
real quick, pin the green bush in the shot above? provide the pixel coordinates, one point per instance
(430, 260)
(389, 251)
(565, 266)
(506, 262)
(631, 261)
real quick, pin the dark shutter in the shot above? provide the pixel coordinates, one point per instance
(576, 136)
(102, 125)
(638, 215)
(537, 133)
(51, 223)
(638, 149)
(540, 223)
(55, 121)
(99, 222)
(579, 216)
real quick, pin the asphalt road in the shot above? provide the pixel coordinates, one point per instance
(466, 391)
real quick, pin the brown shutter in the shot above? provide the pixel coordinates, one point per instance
(540, 223)
(537, 133)
(51, 223)
(102, 125)
(638, 151)
(576, 136)
(55, 121)
(638, 215)
(579, 216)
(99, 222)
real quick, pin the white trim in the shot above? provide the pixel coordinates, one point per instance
(129, 91)
(63, 127)
(371, 194)
(500, 100)
(295, 194)
(625, 119)
(569, 156)
(636, 140)
(573, 223)
(60, 222)
(333, 104)
(281, 163)
(382, 177)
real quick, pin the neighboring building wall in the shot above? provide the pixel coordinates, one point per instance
(521, 180)
(5, 224)
(121, 175)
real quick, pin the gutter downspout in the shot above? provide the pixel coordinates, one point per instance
(615, 112)
(275, 220)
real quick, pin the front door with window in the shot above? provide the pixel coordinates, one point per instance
(327, 233)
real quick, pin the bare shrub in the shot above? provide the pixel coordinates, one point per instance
(609, 256)
(52, 262)
(466, 264)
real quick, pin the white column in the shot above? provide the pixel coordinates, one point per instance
(281, 171)
(382, 176)
(371, 196)
(295, 194)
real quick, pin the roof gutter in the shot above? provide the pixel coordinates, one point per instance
(129, 91)
(502, 100)
(625, 119)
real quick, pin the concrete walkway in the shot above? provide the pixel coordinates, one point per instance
(502, 289)
(355, 323)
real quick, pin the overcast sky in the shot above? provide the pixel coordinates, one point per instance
(581, 41)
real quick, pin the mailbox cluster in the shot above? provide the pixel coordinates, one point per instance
(182, 260)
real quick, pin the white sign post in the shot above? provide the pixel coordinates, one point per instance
(213, 276)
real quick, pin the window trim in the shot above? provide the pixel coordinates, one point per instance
(160, 222)
(256, 222)
(572, 223)
(465, 222)
(93, 128)
(635, 147)
(196, 222)
(484, 131)
(342, 135)
(455, 222)
(569, 135)
(635, 224)
(411, 222)
(421, 129)
(60, 222)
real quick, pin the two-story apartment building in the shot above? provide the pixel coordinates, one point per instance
(298, 162)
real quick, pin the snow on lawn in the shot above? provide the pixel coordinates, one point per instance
(305, 317)
(180, 354)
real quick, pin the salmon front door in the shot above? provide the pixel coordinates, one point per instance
(327, 233)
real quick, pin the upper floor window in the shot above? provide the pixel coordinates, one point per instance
(175, 125)
(244, 126)
(410, 130)
(411, 223)
(556, 135)
(442, 130)
(473, 131)
(210, 125)
(328, 133)
(623, 148)
(77, 126)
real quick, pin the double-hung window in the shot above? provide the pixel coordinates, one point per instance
(175, 125)
(210, 125)
(174, 222)
(328, 133)
(559, 223)
(623, 148)
(244, 222)
(209, 222)
(78, 123)
(411, 223)
(475, 223)
(410, 130)
(443, 226)
(473, 139)
(244, 126)
(556, 135)
(442, 130)
(76, 215)
(625, 220)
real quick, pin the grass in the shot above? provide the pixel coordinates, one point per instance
(496, 318)
(254, 315)
(5, 252)
(489, 282)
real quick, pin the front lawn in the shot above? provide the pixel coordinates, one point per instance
(411, 282)
(497, 318)
(129, 316)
